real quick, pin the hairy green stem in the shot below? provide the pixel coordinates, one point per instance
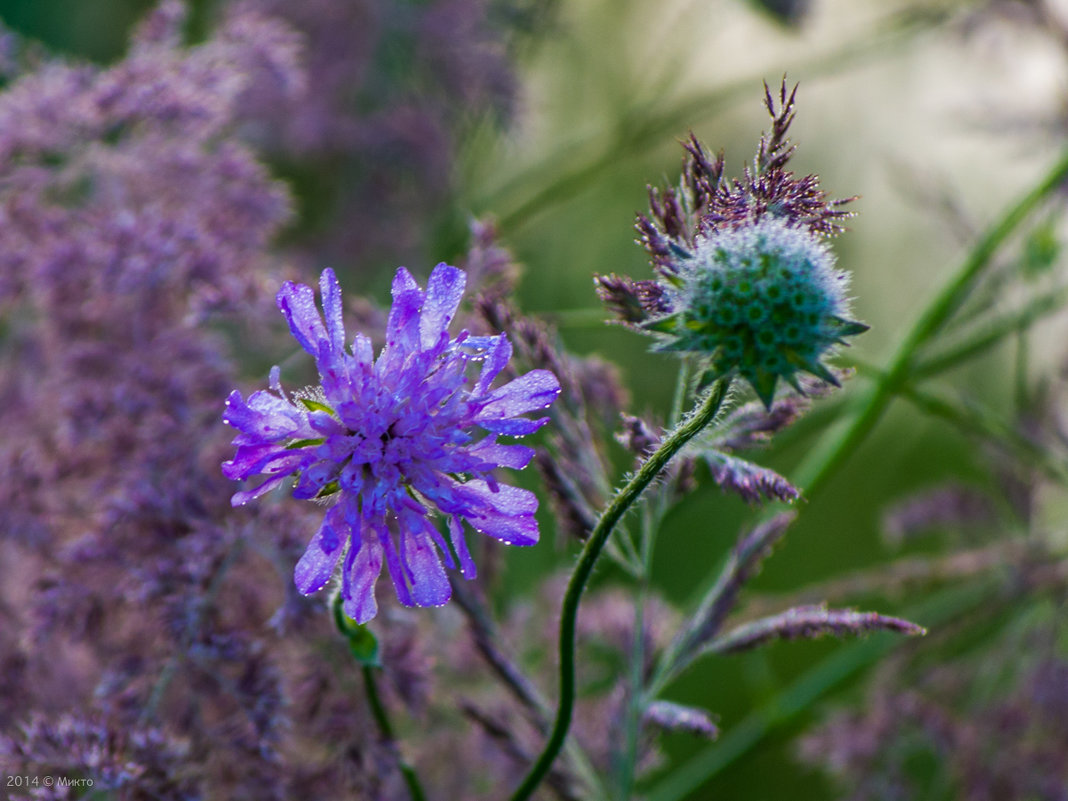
(615, 510)
(815, 471)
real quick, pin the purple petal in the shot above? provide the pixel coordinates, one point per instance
(443, 294)
(514, 456)
(321, 556)
(393, 565)
(506, 515)
(531, 391)
(248, 459)
(402, 327)
(522, 531)
(325, 423)
(477, 344)
(265, 417)
(244, 496)
(519, 427)
(430, 585)
(496, 360)
(297, 303)
(363, 351)
(459, 543)
(332, 309)
(421, 522)
(361, 573)
(507, 500)
(276, 462)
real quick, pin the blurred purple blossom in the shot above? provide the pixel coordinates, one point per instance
(140, 622)
(139, 763)
(676, 717)
(952, 730)
(371, 145)
(393, 438)
(954, 507)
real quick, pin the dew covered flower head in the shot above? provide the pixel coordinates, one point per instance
(390, 440)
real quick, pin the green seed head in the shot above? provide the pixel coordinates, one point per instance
(763, 299)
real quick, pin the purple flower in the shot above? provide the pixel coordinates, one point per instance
(391, 439)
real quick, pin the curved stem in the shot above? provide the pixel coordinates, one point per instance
(615, 510)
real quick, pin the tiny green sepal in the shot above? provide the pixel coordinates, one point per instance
(662, 325)
(707, 377)
(849, 328)
(817, 369)
(763, 384)
(363, 644)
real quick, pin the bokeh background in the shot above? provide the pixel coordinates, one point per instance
(936, 114)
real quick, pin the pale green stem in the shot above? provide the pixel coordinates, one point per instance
(815, 471)
(1041, 306)
(1020, 393)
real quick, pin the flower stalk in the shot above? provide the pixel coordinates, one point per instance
(364, 648)
(612, 514)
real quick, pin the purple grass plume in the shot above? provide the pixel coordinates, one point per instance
(810, 623)
(390, 440)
